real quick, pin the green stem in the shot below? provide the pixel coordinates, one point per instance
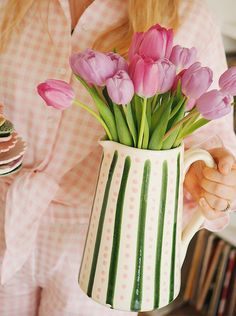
(100, 120)
(140, 138)
(185, 119)
(177, 107)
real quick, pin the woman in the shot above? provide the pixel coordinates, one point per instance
(45, 207)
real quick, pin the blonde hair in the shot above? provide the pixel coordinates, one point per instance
(141, 15)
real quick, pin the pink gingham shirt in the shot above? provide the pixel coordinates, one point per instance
(57, 181)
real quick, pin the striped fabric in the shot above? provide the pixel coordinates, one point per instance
(45, 208)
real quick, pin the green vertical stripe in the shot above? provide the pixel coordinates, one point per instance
(116, 234)
(90, 218)
(173, 251)
(160, 229)
(136, 300)
(100, 224)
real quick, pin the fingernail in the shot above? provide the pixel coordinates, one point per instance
(202, 202)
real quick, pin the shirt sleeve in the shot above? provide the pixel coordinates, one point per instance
(219, 132)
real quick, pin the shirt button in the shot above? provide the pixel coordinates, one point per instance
(62, 71)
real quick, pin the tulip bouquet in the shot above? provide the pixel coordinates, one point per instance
(151, 101)
(154, 100)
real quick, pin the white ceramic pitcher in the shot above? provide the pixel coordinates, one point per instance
(134, 249)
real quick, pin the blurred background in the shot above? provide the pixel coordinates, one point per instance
(209, 272)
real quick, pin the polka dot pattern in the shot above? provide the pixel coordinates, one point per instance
(129, 227)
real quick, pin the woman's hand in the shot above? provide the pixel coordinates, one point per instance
(213, 188)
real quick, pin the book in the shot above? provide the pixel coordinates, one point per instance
(231, 299)
(198, 272)
(225, 291)
(194, 266)
(214, 303)
(212, 239)
(210, 274)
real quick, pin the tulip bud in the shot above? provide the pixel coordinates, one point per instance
(156, 43)
(135, 44)
(165, 75)
(227, 81)
(143, 72)
(94, 67)
(196, 80)
(120, 88)
(56, 93)
(183, 57)
(119, 62)
(214, 104)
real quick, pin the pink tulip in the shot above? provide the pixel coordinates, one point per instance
(165, 75)
(156, 43)
(227, 81)
(196, 80)
(183, 57)
(94, 67)
(144, 73)
(56, 93)
(120, 88)
(214, 104)
(135, 44)
(120, 62)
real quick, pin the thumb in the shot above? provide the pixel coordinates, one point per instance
(224, 159)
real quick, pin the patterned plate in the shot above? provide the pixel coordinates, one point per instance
(6, 129)
(5, 146)
(2, 120)
(5, 139)
(17, 151)
(14, 170)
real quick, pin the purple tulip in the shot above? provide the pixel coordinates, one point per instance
(196, 80)
(190, 104)
(143, 72)
(120, 88)
(166, 75)
(120, 62)
(214, 104)
(156, 43)
(227, 81)
(56, 93)
(94, 67)
(183, 57)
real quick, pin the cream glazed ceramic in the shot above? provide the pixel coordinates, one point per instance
(134, 251)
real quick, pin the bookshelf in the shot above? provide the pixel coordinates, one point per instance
(211, 285)
(205, 273)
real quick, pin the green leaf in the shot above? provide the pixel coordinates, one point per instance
(103, 109)
(169, 142)
(155, 100)
(199, 123)
(108, 99)
(122, 128)
(160, 129)
(138, 105)
(156, 117)
(130, 121)
(177, 107)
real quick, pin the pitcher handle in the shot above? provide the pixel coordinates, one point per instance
(197, 219)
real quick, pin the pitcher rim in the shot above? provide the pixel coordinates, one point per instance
(103, 143)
